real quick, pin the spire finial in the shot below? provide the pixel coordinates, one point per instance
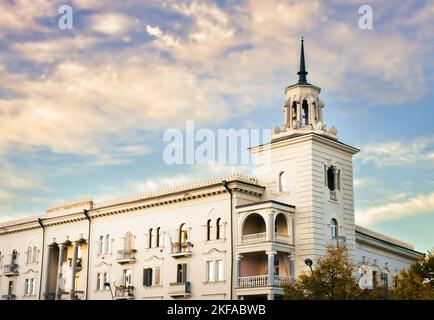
(302, 73)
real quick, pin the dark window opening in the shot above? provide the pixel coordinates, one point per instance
(181, 276)
(305, 108)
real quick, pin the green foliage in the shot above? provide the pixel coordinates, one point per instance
(416, 283)
(332, 279)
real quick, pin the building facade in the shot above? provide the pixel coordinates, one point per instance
(233, 237)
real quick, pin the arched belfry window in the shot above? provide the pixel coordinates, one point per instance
(333, 228)
(283, 181)
(294, 111)
(305, 112)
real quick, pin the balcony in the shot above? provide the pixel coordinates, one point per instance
(8, 297)
(182, 249)
(180, 289)
(254, 237)
(262, 281)
(126, 256)
(124, 293)
(333, 195)
(282, 238)
(338, 241)
(10, 270)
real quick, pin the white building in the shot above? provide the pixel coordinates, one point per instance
(233, 237)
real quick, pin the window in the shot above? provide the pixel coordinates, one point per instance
(107, 248)
(14, 259)
(333, 229)
(210, 273)
(218, 228)
(208, 230)
(29, 286)
(127, 281)
(157, 242)
(29, 255)
(283, 182)
(128, 242)
(305, 112)
(181, 273)
(147, 277)
(100, 244)
(157, 275)
(384, 279)
(374, 279)
(35, 255)
(101, 280)
(183, 233)
(219, 273)
(331, 178)
(150, 238)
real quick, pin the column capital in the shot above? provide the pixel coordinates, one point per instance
(271, 252)
(238, 256)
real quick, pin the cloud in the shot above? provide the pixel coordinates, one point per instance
(421, 204)
(397, 153)
(111, 23)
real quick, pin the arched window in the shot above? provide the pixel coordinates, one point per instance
(29, 255)
(183, 233)
(331, 181)
(150, 238)
(157, 242)
(128, 242)
(208, 230)
(333, 229)
(35, 254)
(218, 226)
(283, 182)
(107, 243)
(100, 244)
(305, 112)
(14, 257)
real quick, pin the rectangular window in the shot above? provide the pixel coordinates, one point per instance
(181, 273)
(210, 273)
(147, 277)
(220, 271)
(27, 287)
(128, 281)
(157, 275)
(101, 280)
(33, 286)
(107, 244)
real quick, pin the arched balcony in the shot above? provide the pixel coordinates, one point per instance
(254, 229)
(281, 232)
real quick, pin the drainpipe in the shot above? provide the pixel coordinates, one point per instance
(86, 214)
(225, 184)
(42, 258)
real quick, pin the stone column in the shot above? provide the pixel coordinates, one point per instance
(271, 255)
(270, 229)
(237, 269)
(292, 266)
(47, 272)
(299, 112)
(289, 120)
(59, 270)
(74, 268)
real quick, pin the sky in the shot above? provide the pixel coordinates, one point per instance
(83, 111)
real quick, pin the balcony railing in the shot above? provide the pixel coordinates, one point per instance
(333, 195)
(338, 241)
(181, 249)
(126, 256)
(282, 238)
(10, 270)
(262, 281)
(124, 292)
(8, 297)
(254, 237)
(180, 289)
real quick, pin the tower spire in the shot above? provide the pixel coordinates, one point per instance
(302, 73)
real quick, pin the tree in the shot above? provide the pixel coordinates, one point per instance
(416, 283)
(332, 279)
